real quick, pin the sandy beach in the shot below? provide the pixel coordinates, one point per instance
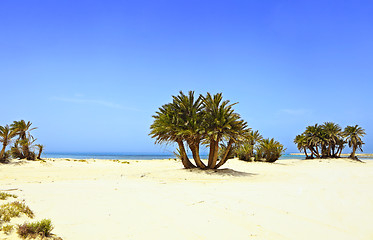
(158, 199)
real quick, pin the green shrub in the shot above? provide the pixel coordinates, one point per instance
(16, 153)
(43, 227)
(6, 157)
(7, 228)
(80, 160)
(14, 209)
(245, 152)
(269, 150)
(4, 196)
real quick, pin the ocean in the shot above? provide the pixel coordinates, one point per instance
(142, 156)
(131, 156)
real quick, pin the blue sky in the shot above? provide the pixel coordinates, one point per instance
(90, 74)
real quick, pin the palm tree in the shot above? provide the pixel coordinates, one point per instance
(255, 138)
(353, 136)
(23, 129)
(301, 141)
(203, 120)
(26, 144)
(270, 149)
(6, 135)
(340, 145)
(313, 135)
(245, 151)
(220, 121)
(40, 147)
(189, 119)
(332, 133)
(165, 130)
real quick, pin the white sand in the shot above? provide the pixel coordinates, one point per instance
(157, 199)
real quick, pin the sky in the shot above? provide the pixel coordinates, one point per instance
(90, 74)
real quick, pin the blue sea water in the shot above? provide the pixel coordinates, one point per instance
(132, 156)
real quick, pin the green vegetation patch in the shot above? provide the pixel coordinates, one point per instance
(7, 228)
(82, 160)
(43, 228)
(118, 161)
(4, 196)
(22, 146)
(14, 209)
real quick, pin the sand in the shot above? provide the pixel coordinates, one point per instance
(158, 199)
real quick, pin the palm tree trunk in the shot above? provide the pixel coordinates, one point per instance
(339, 151)
(213, 155)
(184, 157)
(194, 148)
(226, 154)
(313, 151)
(2, 152)
(317, 152)
(353, 151)
(305, 152)
(329, 150)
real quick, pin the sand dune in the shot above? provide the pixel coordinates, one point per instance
(157, 199)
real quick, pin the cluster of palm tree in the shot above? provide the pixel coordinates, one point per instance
(23, 144)
(191, 121)
(328, 140)
(209, 121)
(255, 148)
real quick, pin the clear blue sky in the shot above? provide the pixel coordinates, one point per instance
(90, 74)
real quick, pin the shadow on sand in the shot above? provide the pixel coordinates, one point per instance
(222, 172)
(14, 162)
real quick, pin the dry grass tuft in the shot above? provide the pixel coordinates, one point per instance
(14, 209)
(41, 228)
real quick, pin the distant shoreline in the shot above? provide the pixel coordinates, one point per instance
(343, 154)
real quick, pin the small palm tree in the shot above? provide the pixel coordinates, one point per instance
(26, 144)
(6, 135)
(255, 138)
(245, 151)
(301, 141)
(270, 149)
(22, 129)
(353, 136)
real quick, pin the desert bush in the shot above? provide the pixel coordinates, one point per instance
(6, 157)
(245, 152)
(4, 196)
(269, 150)
(7, 228)
(15, 152)
(14, 209)
(43, 227)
